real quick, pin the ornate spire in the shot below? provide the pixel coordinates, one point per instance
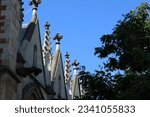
(75, 65)
(67, 67)
(75, 84)
(58, 38)
(46, 44)
(35, 4)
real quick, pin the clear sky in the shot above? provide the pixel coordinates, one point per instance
(82, 23)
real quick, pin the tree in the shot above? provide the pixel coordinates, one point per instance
(96, 86)
(127, 49)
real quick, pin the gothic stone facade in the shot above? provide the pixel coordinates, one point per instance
(28, 70)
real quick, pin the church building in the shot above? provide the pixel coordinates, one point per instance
(28, 68)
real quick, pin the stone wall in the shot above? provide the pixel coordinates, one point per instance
(10, 25)
(8, 85)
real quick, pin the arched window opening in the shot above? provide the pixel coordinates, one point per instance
(59, 85)
(35, 56)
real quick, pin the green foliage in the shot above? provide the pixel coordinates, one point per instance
(129, 42)
(133, 87)
(96, 86)
(127, 49)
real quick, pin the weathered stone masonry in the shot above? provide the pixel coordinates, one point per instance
(2, 23)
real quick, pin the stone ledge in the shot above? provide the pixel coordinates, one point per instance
(26, 71)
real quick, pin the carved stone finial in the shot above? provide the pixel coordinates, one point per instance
(75, 64)
(67, 55)
(35, 3)
(47, 25)
(58, 38)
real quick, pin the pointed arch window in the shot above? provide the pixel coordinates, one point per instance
(59, 85)
(35, 56)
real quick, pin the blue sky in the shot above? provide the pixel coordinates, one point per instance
(82, 23)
